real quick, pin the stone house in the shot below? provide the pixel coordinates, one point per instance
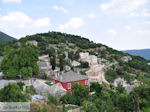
(33, 42)
(44, 89)
(96, 74)
(44, 67)
(91, 59)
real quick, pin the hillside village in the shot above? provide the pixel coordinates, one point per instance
(63, 64)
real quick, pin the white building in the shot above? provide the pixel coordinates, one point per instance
(91, 59)
(32, 42)
(96, 74)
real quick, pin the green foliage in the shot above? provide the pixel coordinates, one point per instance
(63, 109)
(52, 100)
(44, 75)
(120, 89)
(30, 90)
(12, 93)
(145, 110)
(89, 106)
(3, 45)
(79, 94)
(84, 64)
(110, 75)
(51, 52)
(26, 72)
(124, 102)
(141, 96)
(53, 62)
(42, 110)
(96, 87)
(137, 62)
(21, 62)
(20, 84)
(73, 56)
(83, 72)
(61, 62)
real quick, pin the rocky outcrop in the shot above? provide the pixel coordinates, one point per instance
(126, 58)
(122, 82)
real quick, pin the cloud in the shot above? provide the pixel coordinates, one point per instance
(112, 32)
(144, 13)
(92, 15)
(73, 23)
(143, 32)
(128, 27)
(42, 22)
(147, 22)
(60, 9)
(11, 1)
(134, 14)
(122, 6)
(19, 20)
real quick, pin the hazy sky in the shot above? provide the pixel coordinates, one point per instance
(121, 24)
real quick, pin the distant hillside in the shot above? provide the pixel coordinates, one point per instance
(145, 53)
(5, 37)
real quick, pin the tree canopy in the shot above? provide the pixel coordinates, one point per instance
(21, 61)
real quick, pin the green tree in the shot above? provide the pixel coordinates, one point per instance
(52, 100)
(26, 72)
(61, 62)
(53, 62)
(84, 64)
(96, 87)
(125, 102)
(45, 75)
(111, 75)
(79, 94)
(12, 93)
(21, 61)
(71, 55)
(63, 109)
(89, 107)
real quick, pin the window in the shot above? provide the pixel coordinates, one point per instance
(86, 82)
(69, 85)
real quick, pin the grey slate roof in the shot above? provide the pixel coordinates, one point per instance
(71, 76)
(55, 89)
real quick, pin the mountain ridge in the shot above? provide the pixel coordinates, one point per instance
(6, 37)
(145, 53)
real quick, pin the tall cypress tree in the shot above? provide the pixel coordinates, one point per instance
(53, 62)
